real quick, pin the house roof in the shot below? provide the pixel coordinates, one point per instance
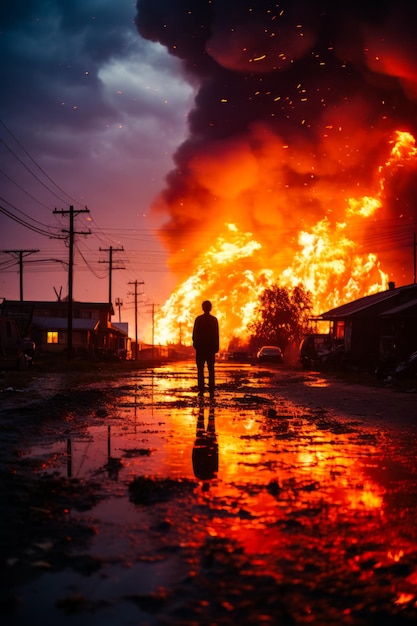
(365, 304)
(54, 304)
(407, 307)
(61, 323)
(121, 327)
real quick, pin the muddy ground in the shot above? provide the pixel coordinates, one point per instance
(299, 507)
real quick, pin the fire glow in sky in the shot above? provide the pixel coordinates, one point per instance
(220, 145)
(300, 159)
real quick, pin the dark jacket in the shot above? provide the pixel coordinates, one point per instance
(206, 334)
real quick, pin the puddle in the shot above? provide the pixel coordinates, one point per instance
(317, 382)
(319, 503)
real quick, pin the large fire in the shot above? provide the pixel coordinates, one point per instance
(326, 256)
(300, 162)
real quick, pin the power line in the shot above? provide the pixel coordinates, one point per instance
(23, 189)
(88, 264)
(35, 229)
(20, 254)
(25, 214)
(111, 266)
(36, 165)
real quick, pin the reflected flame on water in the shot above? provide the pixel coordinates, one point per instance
(405, 598)
(317, 382)
(297, 497)
(395, 556)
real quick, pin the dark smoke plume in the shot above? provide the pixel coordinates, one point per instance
(296, 108)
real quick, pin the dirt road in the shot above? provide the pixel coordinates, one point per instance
(291, 499)
(388, 405)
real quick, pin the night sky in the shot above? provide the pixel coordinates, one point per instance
(174, 119)
(91, 114)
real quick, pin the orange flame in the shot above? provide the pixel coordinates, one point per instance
(326, 256)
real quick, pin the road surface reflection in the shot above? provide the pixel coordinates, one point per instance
(325, 505)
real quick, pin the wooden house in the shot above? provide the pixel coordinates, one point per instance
(377, 329)
(48, 323)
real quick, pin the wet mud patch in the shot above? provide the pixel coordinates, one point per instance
(149, 490)
(38, 532)
(291, 515)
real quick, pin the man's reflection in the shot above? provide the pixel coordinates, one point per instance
(114, 464)
(206, 449)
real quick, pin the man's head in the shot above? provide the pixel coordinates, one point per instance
(206, 306)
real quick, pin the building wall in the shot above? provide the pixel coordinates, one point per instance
(365, 342)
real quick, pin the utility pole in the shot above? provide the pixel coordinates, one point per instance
(72, 213)
(414, 256)
(111, 268)
(153, 332)
(119, 304)
(20, 254)
(153, 305)
(136, 283)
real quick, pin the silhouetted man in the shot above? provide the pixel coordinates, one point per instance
(206, 344)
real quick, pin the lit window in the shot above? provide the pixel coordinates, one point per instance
(340, 330)
(52, 336)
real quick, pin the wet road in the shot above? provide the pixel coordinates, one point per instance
(285, 501)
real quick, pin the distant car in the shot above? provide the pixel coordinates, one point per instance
(239, 356)
(312, 348)
(270, 354)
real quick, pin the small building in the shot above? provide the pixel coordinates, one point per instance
(125, 343)
(399, 330)
(47, 323)
(377, 329)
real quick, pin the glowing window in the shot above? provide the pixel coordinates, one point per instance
(340, 330)
(52, 336)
